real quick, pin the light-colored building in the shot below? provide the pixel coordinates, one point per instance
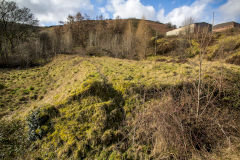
(192, 28)
(225, 26)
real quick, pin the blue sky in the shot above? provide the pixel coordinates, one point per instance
(50, 12)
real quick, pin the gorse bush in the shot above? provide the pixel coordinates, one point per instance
(39, 122)
(165, 45)
(194, 49)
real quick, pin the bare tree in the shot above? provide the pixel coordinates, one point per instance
(79, 17)
(101, 17)
(143, 35)
(129, 38)
(117, 17)
(187, 23)
(170, 25)
(70, 19)
(204, 38)
(16, 25)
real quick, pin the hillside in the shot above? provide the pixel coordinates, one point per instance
(121, 38)
(87, 107)
(160, 28)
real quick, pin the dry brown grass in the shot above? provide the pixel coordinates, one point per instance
(171, 128)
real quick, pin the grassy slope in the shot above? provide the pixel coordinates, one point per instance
(52, 83)
(62, 79)
(108, 91)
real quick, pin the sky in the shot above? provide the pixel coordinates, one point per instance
(50, 12)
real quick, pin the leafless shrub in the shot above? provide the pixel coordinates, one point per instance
(171, 128)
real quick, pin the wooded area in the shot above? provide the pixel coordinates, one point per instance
(23, 43)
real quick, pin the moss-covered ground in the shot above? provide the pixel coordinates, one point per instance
(79, 107)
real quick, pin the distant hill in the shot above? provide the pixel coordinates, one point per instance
(122, 38)
(156, 26)
(159, 27)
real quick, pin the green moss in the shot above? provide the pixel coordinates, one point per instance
(89, 119)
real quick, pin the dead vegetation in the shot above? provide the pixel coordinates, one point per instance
(170, 128)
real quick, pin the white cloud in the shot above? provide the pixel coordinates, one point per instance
(130, 8)
(104, 12)
(52, 11)
(197, 10)
(230, 11)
